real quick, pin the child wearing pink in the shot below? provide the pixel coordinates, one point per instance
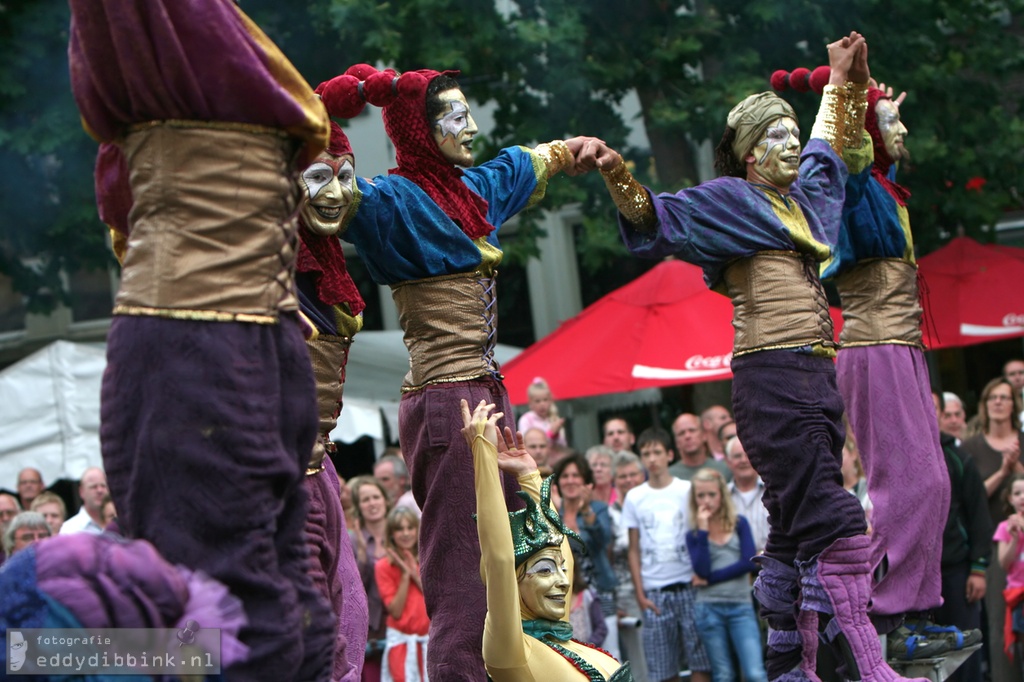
(1011, 557)
(543, 413)
(398, 580)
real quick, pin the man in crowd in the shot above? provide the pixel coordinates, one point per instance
(538, 444)
(656, 514)
(53, 509)
(1013, 371)
(392, 473)
(30, 484)
(953, 418)
(618, 435)
(691, 444)
(711, 420)
(966, 547)
(92, 488)
(747, 489)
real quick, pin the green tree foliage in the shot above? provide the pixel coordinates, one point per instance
(48, 223)
(557, 67)
(554, 68)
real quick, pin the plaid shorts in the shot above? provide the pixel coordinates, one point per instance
(668, 635)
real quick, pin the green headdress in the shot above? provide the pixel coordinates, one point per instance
(537, 527)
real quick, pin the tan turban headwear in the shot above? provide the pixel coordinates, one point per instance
(750, 118)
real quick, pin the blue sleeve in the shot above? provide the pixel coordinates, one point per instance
(738, 568)
(600, 532)
(506, 182)
(700, 555)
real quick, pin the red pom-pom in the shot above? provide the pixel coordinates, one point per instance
(360, 71)
(379, 90)
(798, 79)
(780, 80)
(819, 78)
(412, 85)
(341, 97)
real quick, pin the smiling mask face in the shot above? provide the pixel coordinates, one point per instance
(329, 188)
(544, 585)
(775, 160)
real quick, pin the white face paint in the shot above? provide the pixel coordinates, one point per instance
(775, 160)
(455, 128)
(330, 188)
(892, 129)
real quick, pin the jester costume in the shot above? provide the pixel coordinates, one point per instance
(763, 248)
(428, 230)
(331, 302)
(518, 645)
(208, 405)
(883, 378)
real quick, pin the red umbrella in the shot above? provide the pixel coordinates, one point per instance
(662, 329)
(973, 293)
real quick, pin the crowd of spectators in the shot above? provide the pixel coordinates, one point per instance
(669, 524)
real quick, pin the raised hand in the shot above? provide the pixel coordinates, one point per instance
(888, 93)
(845, 59)
(514, 459)
(482, 414)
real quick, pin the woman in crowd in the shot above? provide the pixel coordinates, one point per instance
(600, 458)
(590, 520)
(398, 580)
(996, 451)
(721, 547)
(372, 507)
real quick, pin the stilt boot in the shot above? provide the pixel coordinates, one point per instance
(838, 583)
(789, 657)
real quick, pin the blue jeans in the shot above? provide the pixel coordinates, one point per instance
(721, 622)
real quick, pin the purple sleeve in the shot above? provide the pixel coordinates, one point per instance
(821, 190)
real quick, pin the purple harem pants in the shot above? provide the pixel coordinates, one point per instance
(334, 571)
(789, 419)
(889, 405)
(441, 466)
(206, 430)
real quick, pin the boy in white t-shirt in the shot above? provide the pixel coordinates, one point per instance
(656, 515)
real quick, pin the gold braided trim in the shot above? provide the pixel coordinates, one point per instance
(882, 342)
(818, 349)
(194, 315)
(556, 156)
(830, 124)
(209, 125)
(854, 112)
(313, 471)
(630, 197)
(448, 380)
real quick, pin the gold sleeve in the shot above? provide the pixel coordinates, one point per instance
(830, 123)
(556, 156)
(630, 197)
(854, 112)
(503, 627)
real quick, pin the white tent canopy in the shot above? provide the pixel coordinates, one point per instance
(50, 402)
